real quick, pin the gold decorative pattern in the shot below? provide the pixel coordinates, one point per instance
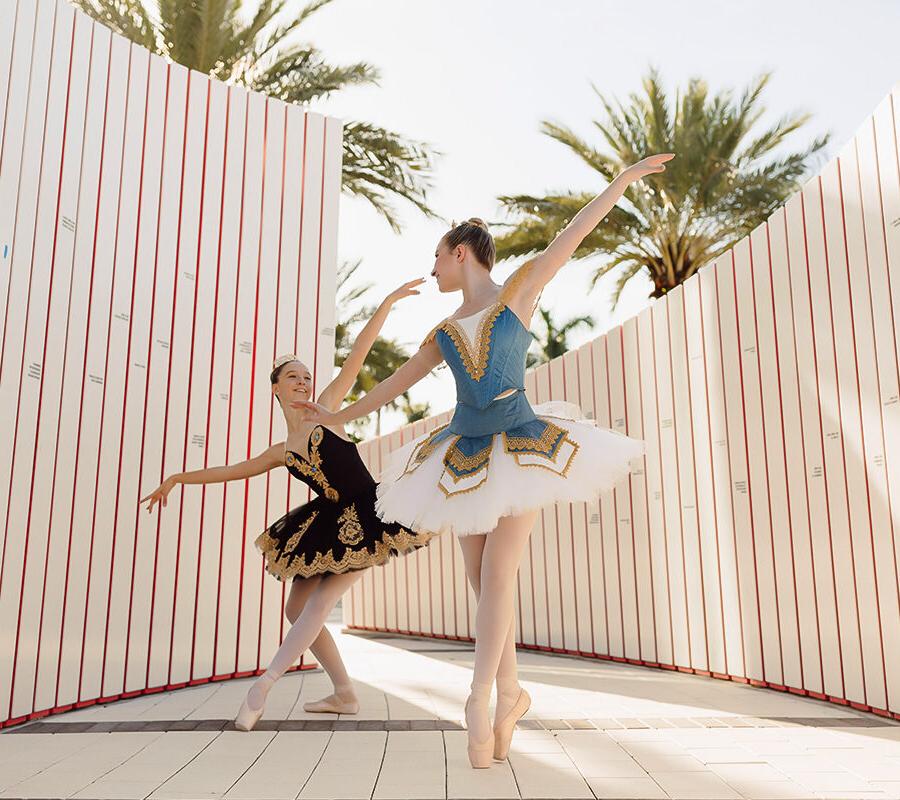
(424, 449)
(515, 281)
(564, 472)
(403, 541)
(313, 467)
(350, 532)
(431, 334)
(475, 365)
(544, 443)
(295, 539)
(471, 465)
(448, 493)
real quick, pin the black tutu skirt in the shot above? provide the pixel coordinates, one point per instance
(324, 536)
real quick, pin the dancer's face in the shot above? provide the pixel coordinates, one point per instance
(448, 267)
(294, 383)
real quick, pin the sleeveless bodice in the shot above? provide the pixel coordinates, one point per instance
(334, 467)
(486, 353)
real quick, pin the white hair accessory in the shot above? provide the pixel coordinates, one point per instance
(282, 360)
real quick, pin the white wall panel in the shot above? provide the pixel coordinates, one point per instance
(162, 238)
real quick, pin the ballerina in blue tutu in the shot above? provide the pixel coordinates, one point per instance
(486, 474)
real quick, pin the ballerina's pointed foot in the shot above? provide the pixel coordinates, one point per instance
(254, 703)
(479, 752)
(503, 730)
(337, 703)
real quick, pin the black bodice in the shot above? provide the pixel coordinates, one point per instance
(334, 468)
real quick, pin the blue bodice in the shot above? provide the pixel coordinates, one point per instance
(486, 353)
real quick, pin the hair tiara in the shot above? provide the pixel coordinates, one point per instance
(282, 360)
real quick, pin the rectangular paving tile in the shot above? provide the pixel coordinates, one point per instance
(495, 782)
(24, 756)
(216, 768)
(71, 774)
(414, 767)
(548, 775)
(147, 769)
(348, 768)
(626, 789)
(694, 786)
(283, 767)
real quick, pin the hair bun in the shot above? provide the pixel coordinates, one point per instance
(477, 222)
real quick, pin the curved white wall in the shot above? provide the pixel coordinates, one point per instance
(761, 541)
(162, 237)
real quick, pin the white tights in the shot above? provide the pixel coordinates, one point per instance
(492, 561)
(307, 632)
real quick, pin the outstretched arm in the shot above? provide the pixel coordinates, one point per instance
(333, 395)
(543, 267)
(416, 368)
(268, 459)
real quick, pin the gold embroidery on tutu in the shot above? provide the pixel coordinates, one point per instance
(544, 443)
(350, 532)
(422, 450)
(472, 464)
(402, 542)
(313, 467)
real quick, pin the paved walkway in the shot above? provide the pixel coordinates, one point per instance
(595, 730)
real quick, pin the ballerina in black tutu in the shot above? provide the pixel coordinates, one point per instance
(324, 545)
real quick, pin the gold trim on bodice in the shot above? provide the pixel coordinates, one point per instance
(312, 467)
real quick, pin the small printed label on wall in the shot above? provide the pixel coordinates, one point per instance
(98, 379)
(198, 440)
(326, 331)
(595, 519)
(34, 370)
(122, 316)
(69, 224)
(246, 347)
(740, 487)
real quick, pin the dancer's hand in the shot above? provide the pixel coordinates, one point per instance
(315, 412)
(648, 166)
(406, 290)
(159, 494)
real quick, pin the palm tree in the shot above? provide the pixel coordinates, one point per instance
(260, 52)
(385, 357)
(724, 182)
(555, 339)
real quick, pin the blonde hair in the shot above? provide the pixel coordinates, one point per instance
(473, 233)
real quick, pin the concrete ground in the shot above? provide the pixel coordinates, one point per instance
(595, 730)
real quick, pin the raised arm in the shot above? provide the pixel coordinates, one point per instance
(269, 459)
(543, 267)
(333, 395)
(417, 367)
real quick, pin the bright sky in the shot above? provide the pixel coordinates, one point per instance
(475, 79)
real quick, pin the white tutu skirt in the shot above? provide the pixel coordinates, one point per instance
(418, 489)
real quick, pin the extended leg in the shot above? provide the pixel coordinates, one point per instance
(303, 632)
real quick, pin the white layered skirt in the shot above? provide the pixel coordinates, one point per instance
(418, 490)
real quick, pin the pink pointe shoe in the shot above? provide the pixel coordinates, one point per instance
(333, 704)
(503, 730)
(247, 717)
(479, 752)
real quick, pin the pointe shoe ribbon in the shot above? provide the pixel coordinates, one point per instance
(479, 752)
(503, 730)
